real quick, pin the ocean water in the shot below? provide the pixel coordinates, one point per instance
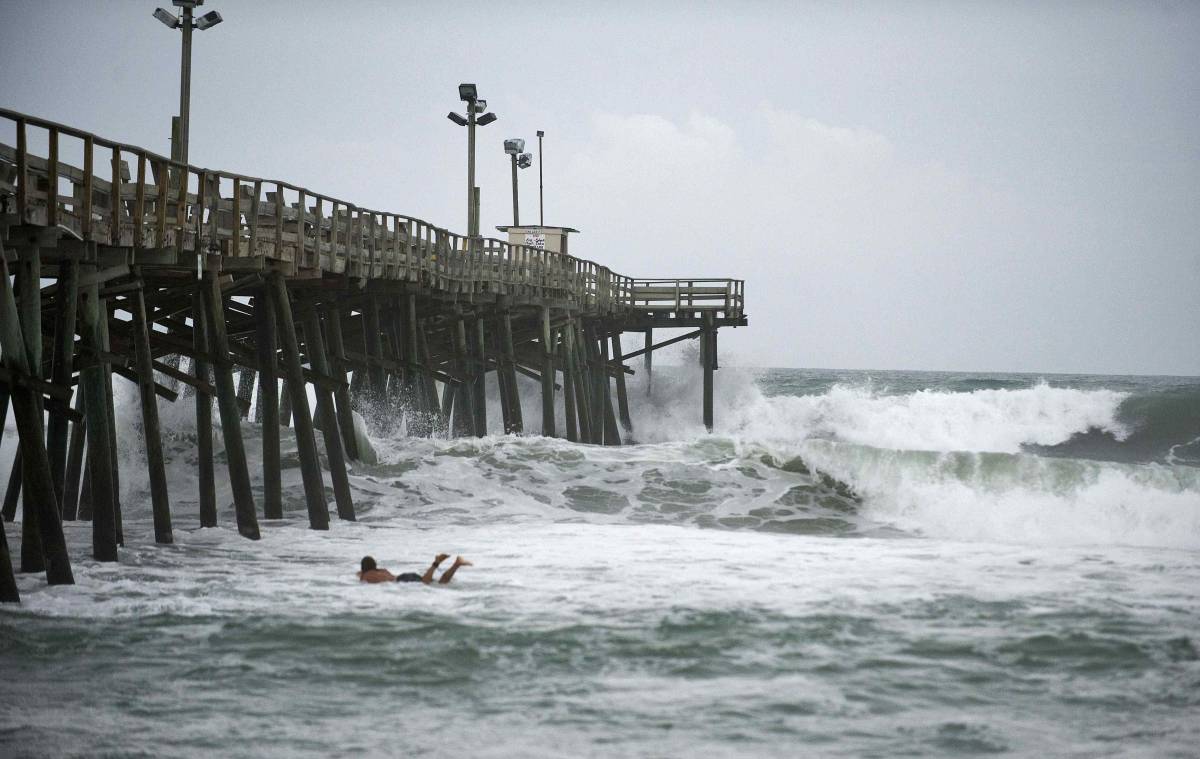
(853, 564)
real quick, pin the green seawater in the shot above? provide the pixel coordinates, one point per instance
(853, 564)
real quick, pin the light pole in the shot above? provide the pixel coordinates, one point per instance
(541, 202)
(179, 150)
(520, 160)
(476, 115)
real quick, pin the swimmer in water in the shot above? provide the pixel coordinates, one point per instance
(372, 573)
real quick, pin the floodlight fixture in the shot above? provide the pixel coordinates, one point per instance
(187, 3)
(514, 145)
(524, 161)
(479, 106)
(170, 20)
(460, 120)
(485, 119)
(467, 93)
(212, 18)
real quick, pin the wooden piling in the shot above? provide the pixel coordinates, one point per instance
(622, 395)
(204, 430)
(57, 428)
(285, 406)
(648, 360)
(565, 361)
(479, 373)
(227, 406)
(29, 305)
(373, 345)
(101, 456)
(463, 416)
(508, 367)
(159, 498)
(439, 412)
(12, 491)
(419, 422)
(710, 361)
(9, 593)
(547, 373)
(314, 347)
(336, 364)
(612, 436)
(577, 370)
(110, 410)
(71, 482)
(268, 403)
(306, 442)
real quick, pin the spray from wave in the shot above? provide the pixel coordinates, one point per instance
(1018, 464)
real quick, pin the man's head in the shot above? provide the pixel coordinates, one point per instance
(368, 563)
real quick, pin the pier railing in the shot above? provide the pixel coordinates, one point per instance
(170, 213)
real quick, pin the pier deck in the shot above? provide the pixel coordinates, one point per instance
(280, 287)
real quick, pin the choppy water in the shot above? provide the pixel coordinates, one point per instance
(857, 564)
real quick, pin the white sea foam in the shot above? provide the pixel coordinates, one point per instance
(935, 420)
(1019, 497)
(948, 464)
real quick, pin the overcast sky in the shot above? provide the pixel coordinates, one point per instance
(953, 185)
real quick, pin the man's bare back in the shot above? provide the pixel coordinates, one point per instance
(375, 574)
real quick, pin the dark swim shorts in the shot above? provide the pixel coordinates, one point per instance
(409, 577)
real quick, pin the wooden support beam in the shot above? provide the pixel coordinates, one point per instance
(60, 374)
(204, 403)
(182, 377)
(579, 381)
(306, 441)
(420, 424)
(101, 455)
(517, 426)
(314, 346)
(663, 344)
(373, 344)
(463, 417)
(547, 374)
(612, 436)
(648, 360)
(9, 593)
(479, 366)
(569, 409)
(268, 404)
(622, 395)
(12, 491)
(136, 378)
(227, 406)
(110, 408)
(159, 498)
(70, 503)
(336, 369)
(708, 355)
(28, 282)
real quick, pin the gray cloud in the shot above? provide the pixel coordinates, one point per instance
(967, 186)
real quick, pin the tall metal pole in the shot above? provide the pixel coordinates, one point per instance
(471, 230)
(541, 204)
(185, 85)
(516, 205)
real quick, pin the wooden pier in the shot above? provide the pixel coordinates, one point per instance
(187, 281)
